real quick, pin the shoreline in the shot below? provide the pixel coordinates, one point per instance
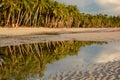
(29, 31)
(16, 36)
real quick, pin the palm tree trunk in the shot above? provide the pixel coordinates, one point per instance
(8, 19)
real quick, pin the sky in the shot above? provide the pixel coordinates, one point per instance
(110, 7)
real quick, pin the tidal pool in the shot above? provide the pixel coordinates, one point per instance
(40, 60)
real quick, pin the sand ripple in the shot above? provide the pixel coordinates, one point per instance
(104, 71)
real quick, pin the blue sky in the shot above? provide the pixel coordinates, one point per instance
(110, 7)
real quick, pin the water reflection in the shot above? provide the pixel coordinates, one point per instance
(101, 54)
(86, 58)
(29, 60)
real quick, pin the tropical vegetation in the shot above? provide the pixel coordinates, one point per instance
(50, 13)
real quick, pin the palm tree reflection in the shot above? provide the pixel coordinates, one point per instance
(29, 60)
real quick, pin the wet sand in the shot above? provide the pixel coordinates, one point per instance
(15, 36)
(103, 71)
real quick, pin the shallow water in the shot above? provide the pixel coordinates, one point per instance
(34, 61)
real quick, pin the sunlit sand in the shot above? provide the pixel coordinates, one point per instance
(12, 36)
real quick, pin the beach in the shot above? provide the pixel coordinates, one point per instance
(14, 36)
(102, 71)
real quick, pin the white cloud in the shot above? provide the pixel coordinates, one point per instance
(79, 3)
(117, 9)
(110, 7)
(110, 11)
(106, 2)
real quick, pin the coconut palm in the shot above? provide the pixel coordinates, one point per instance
(50, 13)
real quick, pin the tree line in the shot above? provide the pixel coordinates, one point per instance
(50, 13)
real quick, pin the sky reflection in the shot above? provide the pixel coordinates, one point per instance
(87, 55)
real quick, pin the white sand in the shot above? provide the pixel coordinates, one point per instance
(13, 36)
(26, 31)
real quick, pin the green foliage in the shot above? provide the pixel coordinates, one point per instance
(50, 13)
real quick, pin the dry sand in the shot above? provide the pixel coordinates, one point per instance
(13, 36)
